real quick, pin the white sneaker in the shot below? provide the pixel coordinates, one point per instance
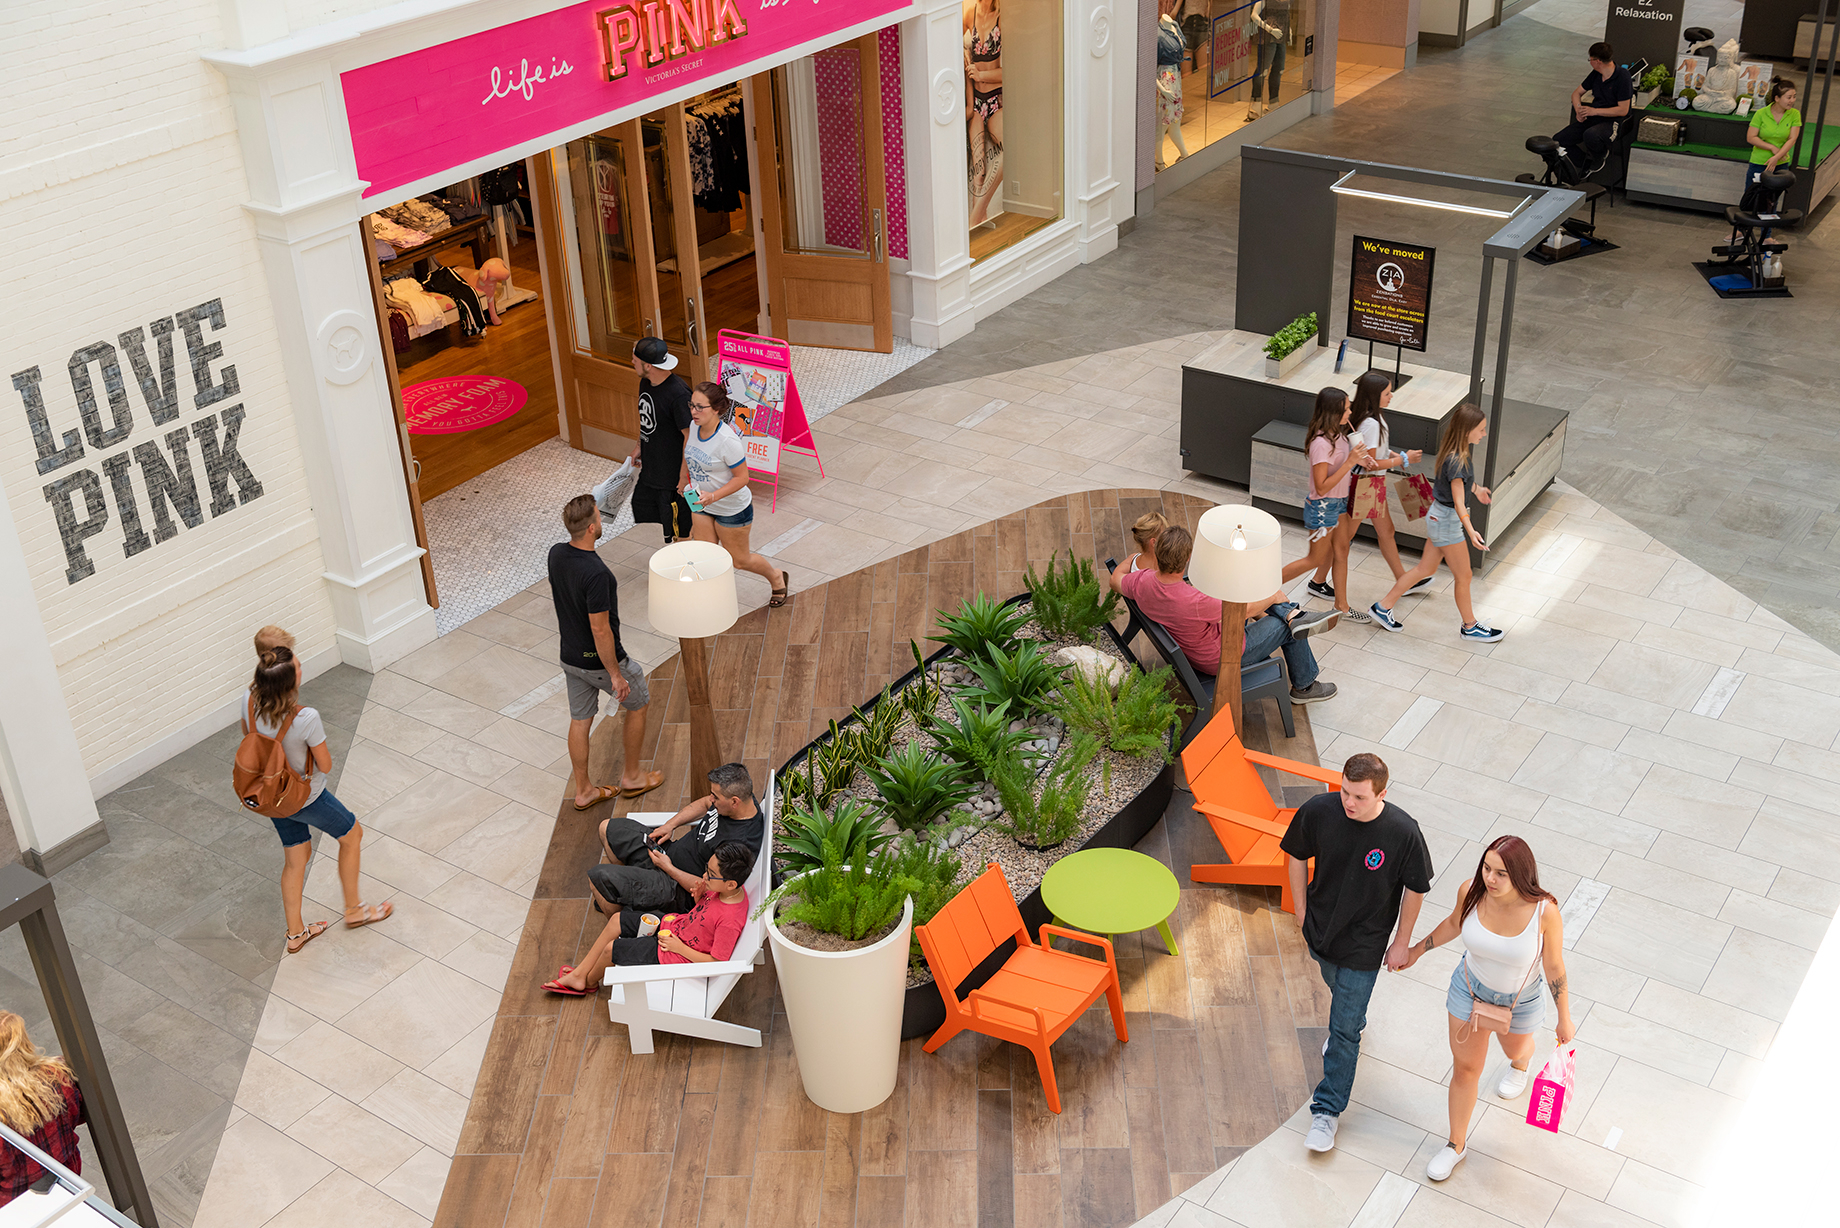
(1445, 1162)
(1512, 1084)
(1325, 1046)
(1322, 1132)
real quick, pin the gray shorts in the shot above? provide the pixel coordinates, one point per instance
(1442, 526)
(586, 686)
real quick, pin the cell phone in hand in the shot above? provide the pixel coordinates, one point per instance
(653, 844)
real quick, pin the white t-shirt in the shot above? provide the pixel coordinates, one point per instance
(712, 464)
(1374, 432)
(305, 733)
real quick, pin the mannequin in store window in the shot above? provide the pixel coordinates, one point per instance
(984, 109)
(1171, 48)
(1271, 31)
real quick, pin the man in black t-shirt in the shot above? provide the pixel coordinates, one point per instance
(664, 428)
(1372, 872)
(1600, 105)
(588, 618)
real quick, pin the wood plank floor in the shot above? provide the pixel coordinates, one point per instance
(568, 1127)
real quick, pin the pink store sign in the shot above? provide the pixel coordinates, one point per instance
(417, 115)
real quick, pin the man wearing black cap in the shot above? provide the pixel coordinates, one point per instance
(664, 426)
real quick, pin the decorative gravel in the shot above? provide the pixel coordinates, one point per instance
(978, 846)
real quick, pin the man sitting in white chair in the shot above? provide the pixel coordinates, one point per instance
(706, 934)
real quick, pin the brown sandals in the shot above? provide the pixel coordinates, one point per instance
(314, 930)
(780, 595)
(370, 915)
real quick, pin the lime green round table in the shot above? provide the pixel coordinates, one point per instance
(1112, 891)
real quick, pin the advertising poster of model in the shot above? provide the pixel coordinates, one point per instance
(984, 106)
(1389, 292)
(756, 373)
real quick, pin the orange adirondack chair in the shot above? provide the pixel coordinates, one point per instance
(1236, 804)
(1035, 996)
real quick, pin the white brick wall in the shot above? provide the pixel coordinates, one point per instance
(122, 183)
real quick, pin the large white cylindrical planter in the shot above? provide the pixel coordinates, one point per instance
(844, 1008)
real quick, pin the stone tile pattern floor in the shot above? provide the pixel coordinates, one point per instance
(568, 1125)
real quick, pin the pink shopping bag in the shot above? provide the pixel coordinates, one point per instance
(1552, 1089)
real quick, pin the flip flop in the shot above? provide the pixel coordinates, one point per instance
(314, 930)
(567, 991)
(605, 793)
(652, 781)
(371, 914)
(779, 596)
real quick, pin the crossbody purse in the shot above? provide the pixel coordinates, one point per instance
(1488, 1016)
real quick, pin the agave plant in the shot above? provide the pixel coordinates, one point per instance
(853, 826)
(979, 625)
(1022, 679)
(917, 787)
(978, 739)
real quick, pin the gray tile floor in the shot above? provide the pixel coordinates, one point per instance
(173, 928)
(1711, 425)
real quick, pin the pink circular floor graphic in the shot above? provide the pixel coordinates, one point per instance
(461, 403)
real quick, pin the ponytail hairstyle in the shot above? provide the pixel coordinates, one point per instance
(1367, 392)
(32, 1084)
(1778, 87)
(1147, 527)
(1523, 872)
(1464, 419)
(276, 685)
(718, 400)
(1326, 418)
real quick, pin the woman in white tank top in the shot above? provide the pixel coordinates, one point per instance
(1511, 935)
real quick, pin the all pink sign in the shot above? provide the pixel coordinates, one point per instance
(420, 114)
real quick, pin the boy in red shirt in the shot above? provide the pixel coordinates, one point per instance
(706, 934)
(1193, 619)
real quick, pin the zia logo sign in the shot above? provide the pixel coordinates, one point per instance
(1375, 859)
(166, 475)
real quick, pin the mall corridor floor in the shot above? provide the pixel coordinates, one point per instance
(1661, 722)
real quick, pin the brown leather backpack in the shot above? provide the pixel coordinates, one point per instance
(265, 781)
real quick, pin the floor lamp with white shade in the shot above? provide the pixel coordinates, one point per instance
(692, 597)
(1238, 557)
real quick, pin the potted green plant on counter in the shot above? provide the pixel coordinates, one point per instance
(842, 936)
(1287, 346)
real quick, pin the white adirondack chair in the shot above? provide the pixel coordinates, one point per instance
(684, 998)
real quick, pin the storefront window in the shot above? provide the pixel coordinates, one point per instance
(817, 120)
(1223, 63)
(1013, 122)
(604, 226)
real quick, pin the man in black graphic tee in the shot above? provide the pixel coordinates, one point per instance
(1372, 873)
(664, 427)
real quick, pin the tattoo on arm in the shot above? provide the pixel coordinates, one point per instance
(1558, 985)
(1430, 941)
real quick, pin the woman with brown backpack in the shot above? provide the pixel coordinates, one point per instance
(272, 714)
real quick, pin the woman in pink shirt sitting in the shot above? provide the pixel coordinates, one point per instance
(706, 934)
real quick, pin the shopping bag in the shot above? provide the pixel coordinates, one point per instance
(1552, 1089)
(1369, 496)
(613, 494)
(1415, 496)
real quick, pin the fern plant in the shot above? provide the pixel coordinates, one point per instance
(916, 787)
(980, 625)
(854, 826)
(1020, 679)
(978, 739)
(921, 696)
(858, 899)
(1072, 602)
(1135, 721)
(1047, 817)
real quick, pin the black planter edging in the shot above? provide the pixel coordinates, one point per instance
(925, 1009)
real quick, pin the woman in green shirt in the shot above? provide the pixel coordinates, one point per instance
(1772, 136)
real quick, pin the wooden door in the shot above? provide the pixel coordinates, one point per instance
(411, 467)
(824, 199)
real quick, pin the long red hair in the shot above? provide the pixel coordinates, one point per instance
(1523, 872)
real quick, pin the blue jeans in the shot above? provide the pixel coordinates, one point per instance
(1349, 991)
(1271, 56)
(1273, 632)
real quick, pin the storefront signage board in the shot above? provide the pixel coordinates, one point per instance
(419, 114)
(756, 373)
(1644, 30)
(1232, 54)
(1389, 292)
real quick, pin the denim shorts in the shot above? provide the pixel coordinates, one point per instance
(325, 812)
(1527, 1012)
(586, 685)
(1323, 513)
(1442, 526)
(740, 520)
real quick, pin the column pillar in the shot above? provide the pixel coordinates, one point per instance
(1101, 134)
(1382, 32)
(41, 768)
(306, 201)
(939, 211)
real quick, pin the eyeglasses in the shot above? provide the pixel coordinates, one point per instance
(701, 405)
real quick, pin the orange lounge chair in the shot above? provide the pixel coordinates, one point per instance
(1229, 794)
(1035, 996)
